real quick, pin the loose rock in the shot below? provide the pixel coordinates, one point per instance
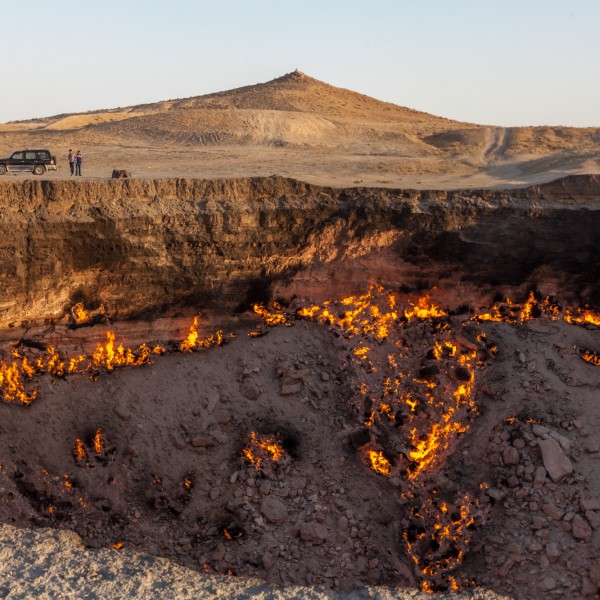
(249, 390)
(274, 510)
(581, 529)
(313, 532)
(555, 461)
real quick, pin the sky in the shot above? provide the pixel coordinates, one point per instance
(494, 62)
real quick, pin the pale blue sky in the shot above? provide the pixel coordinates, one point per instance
(501, 62)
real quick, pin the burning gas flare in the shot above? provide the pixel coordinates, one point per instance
(582, 317)
(193, 342)
(439, 538)
(99, 441)
(79, 452)
(424, 309)
(590, 357)
(17, 376)
(81, 316)
(379, 463)
(262, 449)
(274, 317)
(372, 314)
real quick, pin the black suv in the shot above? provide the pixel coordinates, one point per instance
(33, 160)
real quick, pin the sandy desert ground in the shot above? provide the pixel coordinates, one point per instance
(296, 126)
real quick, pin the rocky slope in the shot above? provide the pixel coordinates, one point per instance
(141, 247)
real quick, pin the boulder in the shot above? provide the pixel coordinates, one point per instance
(273, 510)
(121, 174)
(556, 462)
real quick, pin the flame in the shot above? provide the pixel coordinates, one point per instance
(79, 451)
(118, 545)
(410, 402)
(386, 409)
(582, 317)
(262, 448)
(424, 309)
(271, 318)
(232, 536)
(98, 441)
(361, 352)
(525, 312)
(590, 357)
(427, 451)
(12, 383)
(14, 376)
(371, 314)
(379, 463)
(445, 348)
(193, 341)
(442, 540)
(81, 316)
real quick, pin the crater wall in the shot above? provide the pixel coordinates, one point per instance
(149, 246)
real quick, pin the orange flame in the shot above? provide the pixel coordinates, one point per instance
(98, 441)
(271, 318)
(424, 309)
(79, 451)
(192, 342)
(590, 357)
(582, 317)
(262, 448)
(379, 463)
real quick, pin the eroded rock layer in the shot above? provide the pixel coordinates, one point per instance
(140, 246)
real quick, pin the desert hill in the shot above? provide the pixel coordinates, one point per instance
(298, 126)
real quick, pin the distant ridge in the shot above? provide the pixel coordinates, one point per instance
(313, 118)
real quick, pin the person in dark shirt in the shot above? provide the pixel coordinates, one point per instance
(78, 161)
(71, 159)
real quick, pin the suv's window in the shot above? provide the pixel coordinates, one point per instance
(17, 156)
(30, 156)
(43, 155)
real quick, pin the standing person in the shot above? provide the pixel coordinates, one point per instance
(78, 161)
(71, 162)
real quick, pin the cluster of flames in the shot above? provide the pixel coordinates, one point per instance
(589, 356)
(367, 315)
(16, 376)
(263, 450)
(533, 308)
(82, 451)
(427, 406)
(420, 387)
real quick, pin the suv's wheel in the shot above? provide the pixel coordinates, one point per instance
(38, 170)
(2, 169)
